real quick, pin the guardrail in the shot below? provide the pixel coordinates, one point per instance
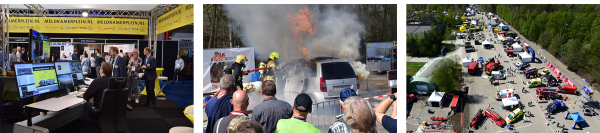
(324, 114)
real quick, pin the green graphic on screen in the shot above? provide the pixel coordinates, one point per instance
(44, 77)
(46, 49)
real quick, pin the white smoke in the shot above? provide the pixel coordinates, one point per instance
(265, 27)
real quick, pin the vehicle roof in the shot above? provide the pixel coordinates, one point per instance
(507, 90)
(330, 60)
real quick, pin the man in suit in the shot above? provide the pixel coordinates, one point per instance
(75, 56)
(119, 67)
(150, 74)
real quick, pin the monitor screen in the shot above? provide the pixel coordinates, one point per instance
(63, 73)
(35, 79)
(77, 72)
(40, 45)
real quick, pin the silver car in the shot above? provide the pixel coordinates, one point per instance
(322, 78)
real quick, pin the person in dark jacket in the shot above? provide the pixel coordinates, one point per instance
(149, 67)
(119, 65)
(74, 56)
(221, 106)
(96, 90)
(99, 59)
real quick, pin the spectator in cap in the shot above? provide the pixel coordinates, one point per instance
(389, 123)
(357, 117)
(297, 124)
(240, 102)
(271, 109)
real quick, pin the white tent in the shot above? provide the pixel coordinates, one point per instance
(517, 47)
(473, 22)
(487, 42)
(467, 62)
(525, 57)
(510, 101)
(436, 97)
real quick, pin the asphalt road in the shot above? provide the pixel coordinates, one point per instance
(324, 115)
(481, 95)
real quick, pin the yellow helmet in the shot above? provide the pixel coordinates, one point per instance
(274, 56)
(241, 59)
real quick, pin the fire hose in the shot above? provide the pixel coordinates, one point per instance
(245, 73)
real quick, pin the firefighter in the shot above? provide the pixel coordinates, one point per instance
(236, 70)
(272, 62)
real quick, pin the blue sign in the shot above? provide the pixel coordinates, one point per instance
(186, 44)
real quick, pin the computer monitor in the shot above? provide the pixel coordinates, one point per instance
(64, 75)
(77, 72)
(35, 79)
(40, 46)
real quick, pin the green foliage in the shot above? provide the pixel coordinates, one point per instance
(446, 76)
(425, 43)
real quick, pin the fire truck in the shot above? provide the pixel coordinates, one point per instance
(491, 65)
(495, 117)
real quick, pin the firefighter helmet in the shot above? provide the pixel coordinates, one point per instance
(241, 59)
(274, 56)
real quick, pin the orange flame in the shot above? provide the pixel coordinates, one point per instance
(302, 24)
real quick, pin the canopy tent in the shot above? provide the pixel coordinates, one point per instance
(525, 57)
(436, 97)
(487, 41)
(473, 22)
(501, 37)
(480, 59)
(517, 47)
(466, 61)
(576, 117)
(510, 101)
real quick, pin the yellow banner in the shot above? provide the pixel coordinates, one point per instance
(180, 16)
(79, 25)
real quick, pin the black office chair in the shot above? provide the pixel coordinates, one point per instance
(111, 114)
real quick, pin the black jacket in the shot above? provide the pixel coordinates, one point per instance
(99, 61)
(96, 90)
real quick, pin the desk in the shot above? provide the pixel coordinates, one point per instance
(156, 85)
(66, 109)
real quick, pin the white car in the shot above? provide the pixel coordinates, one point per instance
(322, 78)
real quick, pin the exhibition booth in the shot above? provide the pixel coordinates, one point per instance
(45, 92)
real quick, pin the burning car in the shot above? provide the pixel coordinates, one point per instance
(321, 78)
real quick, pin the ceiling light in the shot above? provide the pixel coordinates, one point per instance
(84, 14)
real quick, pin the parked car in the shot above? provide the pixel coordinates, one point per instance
(521, 66)
(534, 83)
(514, 115)
(587, 110)
(322, 78)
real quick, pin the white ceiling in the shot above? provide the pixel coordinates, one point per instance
(135, 7)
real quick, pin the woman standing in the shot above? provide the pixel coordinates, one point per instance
(134, 69)
(85, 62)
(93, 66)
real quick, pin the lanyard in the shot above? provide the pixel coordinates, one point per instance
(299, 119)
(238, 113)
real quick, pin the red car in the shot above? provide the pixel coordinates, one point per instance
(495, 117)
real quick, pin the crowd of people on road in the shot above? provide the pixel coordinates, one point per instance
(227, 112)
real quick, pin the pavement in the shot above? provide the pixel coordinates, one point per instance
(324, 115)
(481, 94)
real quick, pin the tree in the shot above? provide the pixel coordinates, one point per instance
(446, 76)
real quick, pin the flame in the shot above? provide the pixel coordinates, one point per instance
(302, 24)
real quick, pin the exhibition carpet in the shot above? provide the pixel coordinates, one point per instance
(166, 115)
(182, 94)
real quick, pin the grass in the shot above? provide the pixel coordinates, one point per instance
(413, 67)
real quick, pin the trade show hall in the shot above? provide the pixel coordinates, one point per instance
(95, 68)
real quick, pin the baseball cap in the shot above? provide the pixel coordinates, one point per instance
(345, 93)
(303, 103)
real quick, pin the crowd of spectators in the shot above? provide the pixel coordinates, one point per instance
(227, 113)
